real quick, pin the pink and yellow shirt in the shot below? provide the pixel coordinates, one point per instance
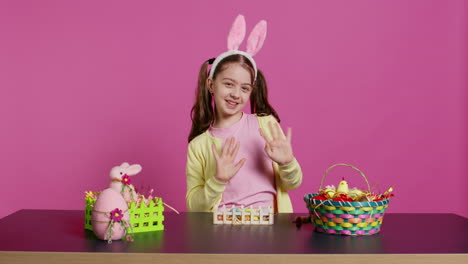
(204, 191)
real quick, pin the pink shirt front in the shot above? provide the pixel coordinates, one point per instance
(254, 184)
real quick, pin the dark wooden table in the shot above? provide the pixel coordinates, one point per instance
(58, 236)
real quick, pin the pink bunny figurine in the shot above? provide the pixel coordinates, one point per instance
(121, 182)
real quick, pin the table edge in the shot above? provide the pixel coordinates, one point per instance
(90, 257)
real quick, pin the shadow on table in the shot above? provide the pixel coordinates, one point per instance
(333, 244)
(143, 242)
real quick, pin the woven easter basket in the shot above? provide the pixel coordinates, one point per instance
(346, 218)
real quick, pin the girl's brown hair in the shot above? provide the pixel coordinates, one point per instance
(202, 113)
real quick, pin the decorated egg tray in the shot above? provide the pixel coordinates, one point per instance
(144, 218)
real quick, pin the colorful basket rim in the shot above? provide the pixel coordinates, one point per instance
(308, 199)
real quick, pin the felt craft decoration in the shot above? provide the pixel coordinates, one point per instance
(236, 36)
(110, 216)
(121, 182)
(342, 187)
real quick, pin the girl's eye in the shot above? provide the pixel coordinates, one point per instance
(246, 89)
(228, 84)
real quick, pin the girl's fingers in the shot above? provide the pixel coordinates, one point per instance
(239, 165)
(268, 149)
(229, 149)
(215, 152)
(273, 131)
(263, 135)
(289, 135)
(223, 147)
(226, 147)
(232, 147)
(279, 131)
(236, 149)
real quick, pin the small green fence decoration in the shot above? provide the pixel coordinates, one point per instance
(143, 218)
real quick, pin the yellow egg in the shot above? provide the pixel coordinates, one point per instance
(329, 193)
(355, 194)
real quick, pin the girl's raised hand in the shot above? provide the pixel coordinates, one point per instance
(225, 167)
(279, 149)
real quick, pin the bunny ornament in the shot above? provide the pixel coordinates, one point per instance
(121, 182)
(110, 215)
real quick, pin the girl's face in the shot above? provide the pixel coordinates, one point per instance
(231, 90)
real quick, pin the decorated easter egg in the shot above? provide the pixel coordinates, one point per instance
(356, 194)
(342, 198)
(329, 191)
(319, 197)
(109, 216)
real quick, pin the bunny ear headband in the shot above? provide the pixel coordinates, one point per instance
(235, 38)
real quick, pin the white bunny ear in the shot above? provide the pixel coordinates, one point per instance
(256, 38)
(133, 170)
(125, 165)
(237, 33)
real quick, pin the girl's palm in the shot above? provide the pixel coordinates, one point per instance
(225, 166)
(279, 148)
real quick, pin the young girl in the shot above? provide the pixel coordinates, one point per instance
(267, 167)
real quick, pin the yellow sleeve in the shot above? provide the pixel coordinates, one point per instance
(203, 191)
(290, 175)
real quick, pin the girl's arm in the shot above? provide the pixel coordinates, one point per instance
(202, 194)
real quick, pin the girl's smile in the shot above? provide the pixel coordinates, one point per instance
(231, 104)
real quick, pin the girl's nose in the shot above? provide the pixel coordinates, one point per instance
(235, 93)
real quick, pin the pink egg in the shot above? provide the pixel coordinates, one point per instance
(107, 201)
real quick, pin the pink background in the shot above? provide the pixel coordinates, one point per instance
(86, 85)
